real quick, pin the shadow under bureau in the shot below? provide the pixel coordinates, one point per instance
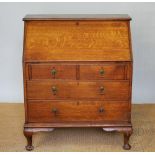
(77, 73)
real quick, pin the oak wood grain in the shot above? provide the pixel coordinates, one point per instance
(41, 111)
(112, 90)
(69, 40)
(102, 71)
(44, 71)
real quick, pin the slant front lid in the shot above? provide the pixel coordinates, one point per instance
(77, 40)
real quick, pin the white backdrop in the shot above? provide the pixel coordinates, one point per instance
(11, 42)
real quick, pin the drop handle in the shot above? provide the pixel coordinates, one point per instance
(54, 90)
(53, 71)
(101, 110)
(101, 72)
(101, 89)
(54, 110)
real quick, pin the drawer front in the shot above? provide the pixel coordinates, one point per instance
(105, 90)
(52, 71)
(57, 111)
(105, 71)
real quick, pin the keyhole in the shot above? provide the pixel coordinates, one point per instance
(77, 23)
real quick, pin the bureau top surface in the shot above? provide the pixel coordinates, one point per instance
(77, 17)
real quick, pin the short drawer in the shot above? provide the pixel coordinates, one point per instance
(105, 71)
(103, 90)
(52, 71)
(57, 111)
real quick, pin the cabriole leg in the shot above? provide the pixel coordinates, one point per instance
(28, 135)
(127, 131)
(126, 145)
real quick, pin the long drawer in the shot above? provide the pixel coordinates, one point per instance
(58, 111)
(58, 89)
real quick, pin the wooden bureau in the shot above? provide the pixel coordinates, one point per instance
(77, 73)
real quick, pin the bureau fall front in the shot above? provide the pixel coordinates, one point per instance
(77, 73)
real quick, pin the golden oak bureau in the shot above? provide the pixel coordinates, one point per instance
(77, 73)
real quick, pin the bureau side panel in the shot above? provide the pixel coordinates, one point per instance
(130, 74)
(25, 72)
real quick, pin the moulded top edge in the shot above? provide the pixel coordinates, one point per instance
(77, 17)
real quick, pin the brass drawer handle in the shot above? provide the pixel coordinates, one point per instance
(54, 90)
(101, 110)
(102, 89)
(53, 71)
(102, 72)
(54, 110)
